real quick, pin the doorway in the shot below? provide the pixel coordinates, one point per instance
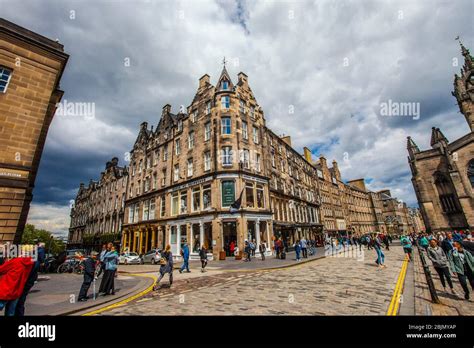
(229, 231)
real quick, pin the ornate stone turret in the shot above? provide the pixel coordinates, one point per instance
(412, 147)
(464, 87)
(438, 140)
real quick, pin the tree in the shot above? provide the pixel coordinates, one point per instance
(31, 235)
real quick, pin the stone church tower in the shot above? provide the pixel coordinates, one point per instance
(464, 88)
(443, 176)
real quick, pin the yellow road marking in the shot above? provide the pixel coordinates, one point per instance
(126, 300)
(395, 302)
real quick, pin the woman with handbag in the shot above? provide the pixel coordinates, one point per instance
(166, 266)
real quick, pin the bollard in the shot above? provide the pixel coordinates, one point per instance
(429, 278)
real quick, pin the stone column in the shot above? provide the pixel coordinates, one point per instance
(189, 232)
(146, 240)
(140, 241)
(153, 240)
(161, 236)
(217, 236)
(257, 236)
(241, 232)
(201, 233)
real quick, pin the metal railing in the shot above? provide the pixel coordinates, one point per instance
(429, 278)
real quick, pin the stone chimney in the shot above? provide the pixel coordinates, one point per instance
(166, 109)
(323, 162)
(335, 169)
(204, 80)
(307, 154)
(243, 79)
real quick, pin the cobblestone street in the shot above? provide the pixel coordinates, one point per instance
(329, 286)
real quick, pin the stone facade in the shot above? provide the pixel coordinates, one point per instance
(97, 213)
(443, 177)
(30, 70)
(213, 173)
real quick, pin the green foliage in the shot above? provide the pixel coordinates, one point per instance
(31, 234)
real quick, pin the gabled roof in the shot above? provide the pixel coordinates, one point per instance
(225, 76)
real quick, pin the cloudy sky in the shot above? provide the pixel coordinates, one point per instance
(333, 62)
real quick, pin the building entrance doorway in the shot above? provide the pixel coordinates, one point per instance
(229, 232)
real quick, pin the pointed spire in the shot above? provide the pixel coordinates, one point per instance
(412, 147)
(224, 76)
(437, 137)
(468, 59)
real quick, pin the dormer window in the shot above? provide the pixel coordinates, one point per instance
(180, 125)
(208, 108)
(5, 75)
(225, 85)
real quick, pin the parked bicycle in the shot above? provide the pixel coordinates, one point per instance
(71, 265)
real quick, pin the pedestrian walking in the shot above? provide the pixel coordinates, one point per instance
(185, 255)
(297, 246)
(447, 243)
(107, 285)
(440, 264)
(380, 255)
(203, 257)
(253, 247)
(262, 248)
(247, 251)
(423, 242)
(407, 246)
(166, 266)
(462, 263)
(304, 246)
(385, 242)
(89, 272)
(14, 274)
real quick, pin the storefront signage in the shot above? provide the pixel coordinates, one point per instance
(192, 183)
(248, 177)
(228, 193)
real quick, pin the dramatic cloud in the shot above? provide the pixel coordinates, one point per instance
(319, 69)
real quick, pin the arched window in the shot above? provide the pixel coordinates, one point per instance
(470, 172)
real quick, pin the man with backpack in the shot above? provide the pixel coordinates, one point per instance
(247, 250)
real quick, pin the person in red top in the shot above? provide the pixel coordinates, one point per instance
(13, 276)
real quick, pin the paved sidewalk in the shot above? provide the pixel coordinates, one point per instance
(56, 294)
(450, 304)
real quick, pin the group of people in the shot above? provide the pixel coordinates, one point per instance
(166, 262)
(17, 276)
(107, 263)
(452, 254)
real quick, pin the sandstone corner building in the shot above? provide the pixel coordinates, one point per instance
(215, 173)
(31, 67)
